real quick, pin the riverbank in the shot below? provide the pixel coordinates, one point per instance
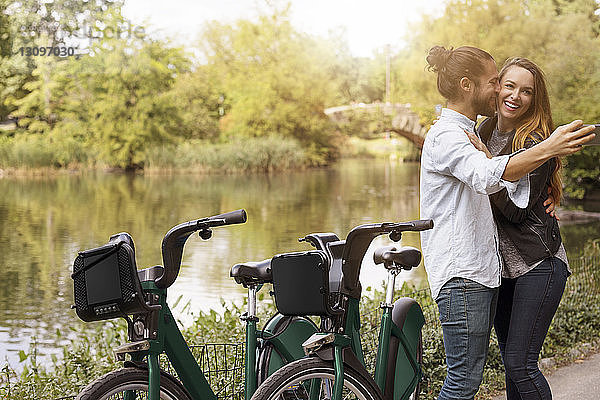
(89, 355)
(577, 216)
(31, 156)
(250, 155)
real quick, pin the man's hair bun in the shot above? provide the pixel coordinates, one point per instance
(438, 57)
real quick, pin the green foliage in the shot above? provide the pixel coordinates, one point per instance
(125, 98)
(545, 31)
(266, 154)
(59, 149)
(40, 23)
(592, 248)
(116, 98)
(275, 80)
(199, 101)
(86, 356)
(25, 151)
(131, 108)
(582, 172)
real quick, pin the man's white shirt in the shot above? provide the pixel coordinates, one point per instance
(456, 180)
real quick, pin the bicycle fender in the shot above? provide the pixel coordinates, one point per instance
(350, 360)
(144, 366)
(283, 343)
(408, 320)
(288, 333)
(406, 310)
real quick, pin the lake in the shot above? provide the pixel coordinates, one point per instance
(44, 222)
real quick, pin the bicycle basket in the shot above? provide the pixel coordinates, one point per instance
(105, 281)
(301, 283)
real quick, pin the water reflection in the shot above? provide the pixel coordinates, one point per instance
(44, 222)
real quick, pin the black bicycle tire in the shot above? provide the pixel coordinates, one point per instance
(127, 378)
(310, 368)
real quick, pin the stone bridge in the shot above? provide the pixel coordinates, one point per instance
(399, 117)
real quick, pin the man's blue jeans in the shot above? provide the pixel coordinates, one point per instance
(467, 311)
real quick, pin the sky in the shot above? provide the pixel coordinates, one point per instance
(369, 25)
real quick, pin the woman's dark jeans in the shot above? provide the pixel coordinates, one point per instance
(526, 306)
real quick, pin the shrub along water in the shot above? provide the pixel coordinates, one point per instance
(89, 354)
(266, 154)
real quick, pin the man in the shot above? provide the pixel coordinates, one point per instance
(461, 251)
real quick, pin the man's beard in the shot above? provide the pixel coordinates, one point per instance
(483, 106)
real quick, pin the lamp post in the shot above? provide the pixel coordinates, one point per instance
(387, 73)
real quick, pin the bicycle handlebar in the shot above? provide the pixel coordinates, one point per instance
(174, 240)
(419, 225)
(232, 217)
(359, 240)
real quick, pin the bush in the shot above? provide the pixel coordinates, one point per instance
(63, 149)
(248, 155)
(30, 151)
(37, 151)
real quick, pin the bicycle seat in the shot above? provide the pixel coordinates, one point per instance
(252, 273)
(406, 257)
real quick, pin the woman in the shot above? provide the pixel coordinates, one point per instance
(535, 261)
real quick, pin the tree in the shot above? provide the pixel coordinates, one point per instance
(130, 108)
(31, 23)
(276, 81)
(199, 99)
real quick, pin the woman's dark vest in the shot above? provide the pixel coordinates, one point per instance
(534, 233)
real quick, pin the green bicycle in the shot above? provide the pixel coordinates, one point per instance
(335, 367)
(108, 285)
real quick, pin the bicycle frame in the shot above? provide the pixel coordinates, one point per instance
(168, 339)
(406, 367)
(407, 341)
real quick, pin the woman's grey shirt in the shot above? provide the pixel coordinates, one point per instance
(455, 182)
(514, 265)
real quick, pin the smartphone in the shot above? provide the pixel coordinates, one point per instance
(595, 141)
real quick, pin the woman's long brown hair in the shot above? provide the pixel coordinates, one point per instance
(536, 124)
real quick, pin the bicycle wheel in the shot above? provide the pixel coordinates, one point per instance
(115, 384)
(313, 378)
